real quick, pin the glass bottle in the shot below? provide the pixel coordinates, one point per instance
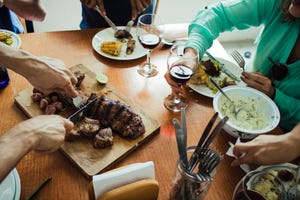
(4, 78)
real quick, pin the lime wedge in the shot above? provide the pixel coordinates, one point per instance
(101, 78)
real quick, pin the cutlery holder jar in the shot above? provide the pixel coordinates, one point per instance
(186, 185)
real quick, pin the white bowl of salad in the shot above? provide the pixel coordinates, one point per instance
(253, 112)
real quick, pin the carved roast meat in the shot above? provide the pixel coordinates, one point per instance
(119, 116)
(106, 113)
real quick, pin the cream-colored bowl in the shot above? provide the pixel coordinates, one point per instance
(259, 114)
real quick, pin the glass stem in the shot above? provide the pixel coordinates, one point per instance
(148, 56)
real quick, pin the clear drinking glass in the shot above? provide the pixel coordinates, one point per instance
(180, 69)
(186, 185)
(150, 29)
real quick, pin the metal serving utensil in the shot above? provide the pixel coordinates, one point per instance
(181, 142)
(293, 193)
(206, 143)
(129, 25)
(235, 111)
(223, 69)
(194, 157)
(82, 112)
(113, 26)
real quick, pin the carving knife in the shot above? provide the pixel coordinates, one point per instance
(82, 112)
(106, 19)
(223, 68)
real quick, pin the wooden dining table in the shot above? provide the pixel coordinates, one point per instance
(68, 182)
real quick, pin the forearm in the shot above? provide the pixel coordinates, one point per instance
(27, 9)
(14, 146)
(20, 61)
(294, 140)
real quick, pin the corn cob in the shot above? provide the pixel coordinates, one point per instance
(6, 38)
(112, 47)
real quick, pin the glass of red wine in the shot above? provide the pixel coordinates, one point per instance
(149, 31)
(180, 69)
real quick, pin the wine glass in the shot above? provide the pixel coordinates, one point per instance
(180, 69)
(149, 31)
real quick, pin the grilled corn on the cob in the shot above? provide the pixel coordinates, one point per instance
(6, 38)
(112, 47)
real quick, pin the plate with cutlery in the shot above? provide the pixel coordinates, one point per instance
(227, 74)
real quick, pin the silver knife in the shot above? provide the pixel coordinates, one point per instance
(180, 139)
(223, 68)
(106, 19)
(82, 112)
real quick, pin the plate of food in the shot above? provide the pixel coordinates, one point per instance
(122, 45)
(208, 68)
(10, 38)
(284, 172)
(10, 187)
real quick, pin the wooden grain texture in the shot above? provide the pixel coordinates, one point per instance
(89, 159)
(68, 182)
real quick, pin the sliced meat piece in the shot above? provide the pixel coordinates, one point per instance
(89, 127)
(73, 135)
(122, 33)
(104, 138)
(130, 47)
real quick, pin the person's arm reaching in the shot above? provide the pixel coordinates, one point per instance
(27, 9)
(45, 74)
(269, 149)
(44, 133)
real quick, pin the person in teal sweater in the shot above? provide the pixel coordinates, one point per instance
(278, 41)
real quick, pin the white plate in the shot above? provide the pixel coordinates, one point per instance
(16, 39)
(108, 35)
(10, 188)
(204, 90)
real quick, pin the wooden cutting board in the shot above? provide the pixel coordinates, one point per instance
(90, 160)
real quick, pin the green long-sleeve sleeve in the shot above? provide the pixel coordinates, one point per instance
(276, 41)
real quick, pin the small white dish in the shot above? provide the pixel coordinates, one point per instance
(10, 188)
(16, 39)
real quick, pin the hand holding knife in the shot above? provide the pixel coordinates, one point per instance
(113, 26)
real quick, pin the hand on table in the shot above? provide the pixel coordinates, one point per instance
(259, 82)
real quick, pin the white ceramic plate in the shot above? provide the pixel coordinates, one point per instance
(16, 39)
(204, 90)
(108, 35)
(10, 188)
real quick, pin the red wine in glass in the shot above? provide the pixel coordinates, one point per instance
(149, 41)
(181, 73)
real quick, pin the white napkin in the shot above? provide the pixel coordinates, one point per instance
(113, 179)
(244, 167)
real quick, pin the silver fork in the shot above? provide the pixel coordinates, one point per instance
(292, 192)
(239, 59)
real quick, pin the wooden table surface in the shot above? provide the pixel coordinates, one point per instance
(68, 182)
